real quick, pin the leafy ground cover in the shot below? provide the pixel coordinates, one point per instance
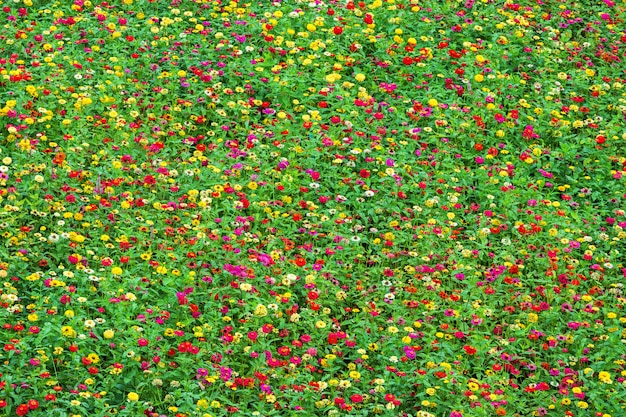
(404, 208)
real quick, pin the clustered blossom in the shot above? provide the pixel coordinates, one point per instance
(378, 207)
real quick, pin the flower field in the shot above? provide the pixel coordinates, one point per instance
(305, 208)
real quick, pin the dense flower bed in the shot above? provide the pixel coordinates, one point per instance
(400, 207)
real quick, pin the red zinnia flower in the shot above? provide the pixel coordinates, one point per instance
(470, 350)
(21, 410)
(356, 398)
